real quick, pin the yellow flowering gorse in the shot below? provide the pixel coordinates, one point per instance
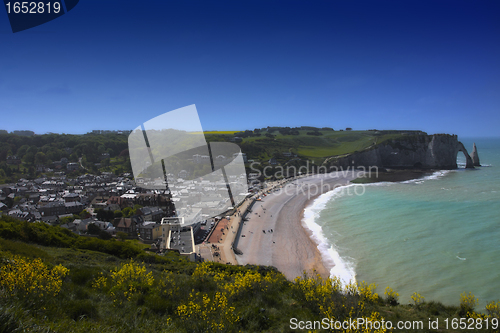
(23, 277)
(338, 302)
(493, 309)
(468, 301)
(126, 282)
(391, 295)
(417, 299)
(214, 313)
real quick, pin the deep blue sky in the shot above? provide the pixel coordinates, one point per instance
(430, 65)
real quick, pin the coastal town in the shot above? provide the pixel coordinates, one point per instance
(108, 205)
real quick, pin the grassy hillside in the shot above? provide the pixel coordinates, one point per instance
(76, 289)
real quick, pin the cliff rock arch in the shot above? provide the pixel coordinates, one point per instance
(468, 160)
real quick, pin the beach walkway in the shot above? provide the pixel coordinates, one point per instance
(225, 232)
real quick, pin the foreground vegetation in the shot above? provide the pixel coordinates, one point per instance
(53, 281)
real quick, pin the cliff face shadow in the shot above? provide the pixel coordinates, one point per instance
(419, 151)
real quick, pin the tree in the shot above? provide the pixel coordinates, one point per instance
(104, 235)
(40, 158)
(67, 219)
(104, 215)
(21, 151)
(124, 153)
(84, 161)
(84, 214)
(118, 171)
(29, 158)
(31, 171)
(127, 212)
(53, 154)
(93, 229)
(121, 235)
(32, 149)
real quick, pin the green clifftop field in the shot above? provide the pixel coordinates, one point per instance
(310, 143)
(54, 281)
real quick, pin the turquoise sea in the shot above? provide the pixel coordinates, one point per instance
(438, 236)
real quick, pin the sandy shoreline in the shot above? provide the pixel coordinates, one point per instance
(289, 246)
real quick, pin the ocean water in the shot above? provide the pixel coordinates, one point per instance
(438, 236)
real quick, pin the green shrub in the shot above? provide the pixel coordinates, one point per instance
(8, 320)
(43, 234)
(82, 275)
(79, 309)
(22, 249)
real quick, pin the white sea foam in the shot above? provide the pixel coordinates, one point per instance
(342, 268)
(435, 175)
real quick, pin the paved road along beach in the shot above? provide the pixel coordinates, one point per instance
(275, 236)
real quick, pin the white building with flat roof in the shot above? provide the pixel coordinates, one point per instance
(176, 236)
